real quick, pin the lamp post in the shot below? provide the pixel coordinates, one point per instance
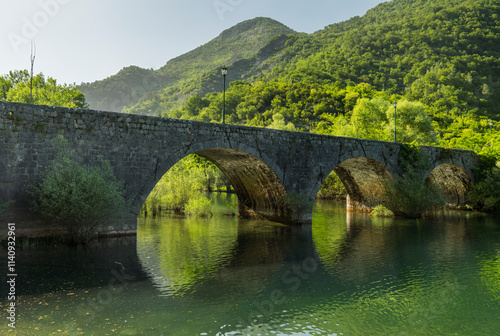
(395, 107)
(224, 73)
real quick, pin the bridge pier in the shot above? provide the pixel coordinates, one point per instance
(356, 206)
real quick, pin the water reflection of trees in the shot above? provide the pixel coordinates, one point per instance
(358, 247)
(223, 255)
(178, 253)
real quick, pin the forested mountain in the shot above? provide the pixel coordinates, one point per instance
(125, 88)
(439, 58)
(444, 53)
(193, 72)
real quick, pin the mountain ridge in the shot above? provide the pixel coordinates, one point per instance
(241, 41)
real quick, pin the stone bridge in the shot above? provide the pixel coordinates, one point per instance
(266, 167)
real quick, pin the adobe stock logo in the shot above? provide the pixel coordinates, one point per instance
(31, 26)
(223, 6)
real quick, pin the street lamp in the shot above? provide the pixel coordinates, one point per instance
(224, 73)
(491, 125)
(395, 107)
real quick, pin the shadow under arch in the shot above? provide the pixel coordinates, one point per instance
(363, 178)
(259, 189)
(255, 180)
(453, 181)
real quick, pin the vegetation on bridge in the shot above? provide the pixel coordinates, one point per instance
(78, 196)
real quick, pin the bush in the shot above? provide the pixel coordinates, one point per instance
(381, 211)
(485, 195)
(199, 207)
(410, 196)
(77, 196)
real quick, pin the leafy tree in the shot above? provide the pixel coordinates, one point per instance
(77, 196)
(18, 87)
(279, 123)
(369, 119)
(409, 195)
(413, 123)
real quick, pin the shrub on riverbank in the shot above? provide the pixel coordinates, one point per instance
(485, 195)
(409, 195)
(381, 211)
(199, 206)
(78, 196)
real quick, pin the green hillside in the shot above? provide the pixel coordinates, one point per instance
(125, 88)
(443, 53)
(183, 75)
(440, 59)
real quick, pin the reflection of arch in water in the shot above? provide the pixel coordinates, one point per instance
(453, 180)
(177, 254)
(329, 232)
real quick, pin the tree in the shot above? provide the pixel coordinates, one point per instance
(77, 196)
(413, 123)
(409, 195)
(369, 119)
(16, 87)
(279, 123)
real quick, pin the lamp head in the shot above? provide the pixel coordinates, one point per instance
(224, 71)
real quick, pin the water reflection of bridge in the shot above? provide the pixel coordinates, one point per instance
(233, 256)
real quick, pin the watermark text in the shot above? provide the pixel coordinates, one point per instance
(11, 275)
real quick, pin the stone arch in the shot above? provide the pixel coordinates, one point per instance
(363, 178)
(259, 188)
(453, 180)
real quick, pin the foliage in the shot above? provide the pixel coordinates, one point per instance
(485, 194)
(374, 119)
(78, 196)
(381, 211)
(199, 206)
(16, 87)
(332, 188)
(5, 205)
(179, 189)
(409, 195)
(280, 124)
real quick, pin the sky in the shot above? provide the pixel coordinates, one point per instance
(87, 40)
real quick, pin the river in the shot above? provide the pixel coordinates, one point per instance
(347, 274)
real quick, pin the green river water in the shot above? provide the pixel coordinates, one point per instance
(347, 274)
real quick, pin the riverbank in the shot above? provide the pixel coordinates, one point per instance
(30, 229)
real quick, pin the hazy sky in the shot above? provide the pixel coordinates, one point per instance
(87, 40)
